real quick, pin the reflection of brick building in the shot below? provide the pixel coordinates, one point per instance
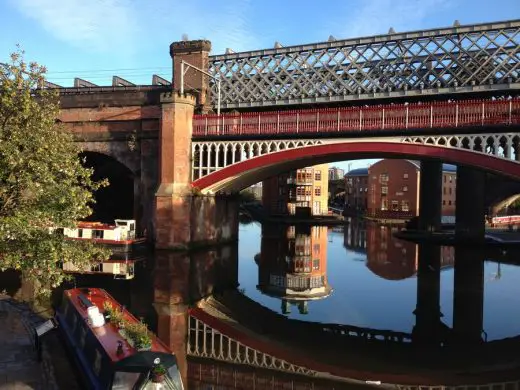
(356, 190)
(293, 265)
(303, 192)
(388, 257)
(393, 189)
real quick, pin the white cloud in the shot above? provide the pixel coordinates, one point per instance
(98, 25)
(377, 16)
(225, 24)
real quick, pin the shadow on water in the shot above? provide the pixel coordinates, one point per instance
(309, 307)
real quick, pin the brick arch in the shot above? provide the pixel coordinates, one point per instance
(116, 150)
(243, 174)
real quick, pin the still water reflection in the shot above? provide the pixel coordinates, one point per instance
(356, 275)
(360, 276)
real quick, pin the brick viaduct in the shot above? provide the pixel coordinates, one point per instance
(147, 129)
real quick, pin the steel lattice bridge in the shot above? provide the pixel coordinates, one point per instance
(466, 59)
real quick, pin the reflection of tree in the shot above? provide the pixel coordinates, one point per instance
(293, 265)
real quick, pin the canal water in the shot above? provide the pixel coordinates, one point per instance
(372, 278)
(356, 275)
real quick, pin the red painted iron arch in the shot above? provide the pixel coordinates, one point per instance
(243, 174)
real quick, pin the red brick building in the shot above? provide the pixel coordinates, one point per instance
(390, 189)
(356, 190)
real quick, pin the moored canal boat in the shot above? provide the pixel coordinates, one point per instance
(119, 237)
(112, 348)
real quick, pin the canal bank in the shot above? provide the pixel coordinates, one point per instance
(19, 365)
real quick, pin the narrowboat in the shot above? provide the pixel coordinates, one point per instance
(120, 237)
(113, 350)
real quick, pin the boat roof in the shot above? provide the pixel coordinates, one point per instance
(96, 225)
(109, 336)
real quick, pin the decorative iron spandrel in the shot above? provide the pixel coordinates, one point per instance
(471, 58)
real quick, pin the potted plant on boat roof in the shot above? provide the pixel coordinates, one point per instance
(114, 315)
(138, 333)
(158, 372)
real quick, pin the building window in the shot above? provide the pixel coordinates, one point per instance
(444, 178)
(449, 203)
(384, 190)
(316, 264)
(449, 190)
(405, 175)
(444, 203)
(317, 191)
(451, 178)
(317, 176)
(405, 189)
(395, 205)
(444, 190)
(405, 205)
(308, 175)
(384, 204)
(316, 249)
(383, 178)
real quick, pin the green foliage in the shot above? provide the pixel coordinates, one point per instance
(42, 181)
(116, 315)
(159, 369)
(138, 332)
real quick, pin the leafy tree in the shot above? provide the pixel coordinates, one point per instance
(43, 184)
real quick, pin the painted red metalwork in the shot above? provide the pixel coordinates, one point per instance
(469, 113)
(343, 151)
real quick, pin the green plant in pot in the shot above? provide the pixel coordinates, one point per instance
(138, 332)
(114, 315)
(142, 342)
(158, 373)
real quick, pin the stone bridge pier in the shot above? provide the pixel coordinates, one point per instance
(470, 195)
(184, 218)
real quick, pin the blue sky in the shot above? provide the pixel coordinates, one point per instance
(96, 39)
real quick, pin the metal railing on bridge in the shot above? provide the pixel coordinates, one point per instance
(437, 115)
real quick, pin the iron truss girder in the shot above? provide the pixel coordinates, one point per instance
(472, 58)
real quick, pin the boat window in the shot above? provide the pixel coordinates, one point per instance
(80, 233)
(97, 233)
(125, 380)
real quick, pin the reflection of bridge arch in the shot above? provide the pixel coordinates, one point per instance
(242, 174)
(219, 335)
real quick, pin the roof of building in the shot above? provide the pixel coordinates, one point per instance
(417, 164)
(358, 172)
